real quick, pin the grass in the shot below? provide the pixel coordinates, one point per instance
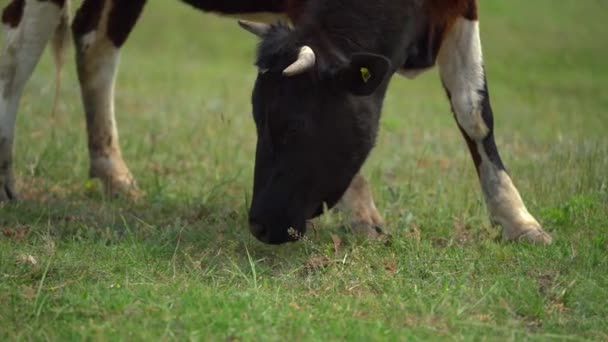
(182, 265)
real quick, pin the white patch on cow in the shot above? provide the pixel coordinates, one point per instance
(88, 39)
(99, 62)
(11, 35)
(504, 203)
(101, 66)
(461, 67)
(23, 46)
(25, 43)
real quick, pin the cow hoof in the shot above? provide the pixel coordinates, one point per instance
(116, 178)
(8, 193)
(7, 190)
(125, 186)
(535, 235)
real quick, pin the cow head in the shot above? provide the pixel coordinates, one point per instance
(316, 114)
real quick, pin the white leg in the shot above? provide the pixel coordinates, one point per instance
(28, 26)
(97, 56)
(462, 73)
(358, 203)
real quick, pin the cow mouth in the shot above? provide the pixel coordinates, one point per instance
(277, 234)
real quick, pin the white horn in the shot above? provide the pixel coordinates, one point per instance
(306, 60)
(259, 29)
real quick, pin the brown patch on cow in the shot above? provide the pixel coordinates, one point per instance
(294, 9)
(470, 11)
(87, 17)
(122, 19)
(441, 16)
(447, 11)
(12, 13)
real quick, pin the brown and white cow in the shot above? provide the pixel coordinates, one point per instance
(101, 27)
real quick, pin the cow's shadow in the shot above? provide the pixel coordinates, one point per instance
(210, 240)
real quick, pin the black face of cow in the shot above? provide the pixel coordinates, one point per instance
(315, 130)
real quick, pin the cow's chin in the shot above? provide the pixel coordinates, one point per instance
(292, 233)
(278, 233)
(274, 222)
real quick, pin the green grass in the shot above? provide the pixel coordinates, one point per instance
(182, 265)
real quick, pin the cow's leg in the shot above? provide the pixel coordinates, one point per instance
(100, 28)
(28, 26)
(358, 203)
(462, 73)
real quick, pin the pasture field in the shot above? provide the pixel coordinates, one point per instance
(180, 264)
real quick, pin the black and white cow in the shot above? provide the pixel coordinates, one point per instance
(319, 93)
(101, 27)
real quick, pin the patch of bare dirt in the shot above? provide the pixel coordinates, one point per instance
(413, 233)
(28, 292)
(548, 287)
(34, 189)
(462, 231)
(532, 323)
(29, 261)
(483, 317)
(443, 164)
(433, 322)
(337, 243)
(440, 242)
(317, 263)
(390, 266)
(16, 233)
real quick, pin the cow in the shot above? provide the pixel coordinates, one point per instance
(101, 27)
(99, 30)
(319, 93)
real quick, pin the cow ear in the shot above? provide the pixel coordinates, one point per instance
(364, 73)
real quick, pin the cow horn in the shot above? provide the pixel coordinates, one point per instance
(259, 29)
(306, 60)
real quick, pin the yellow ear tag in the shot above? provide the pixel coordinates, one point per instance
(365, 74)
